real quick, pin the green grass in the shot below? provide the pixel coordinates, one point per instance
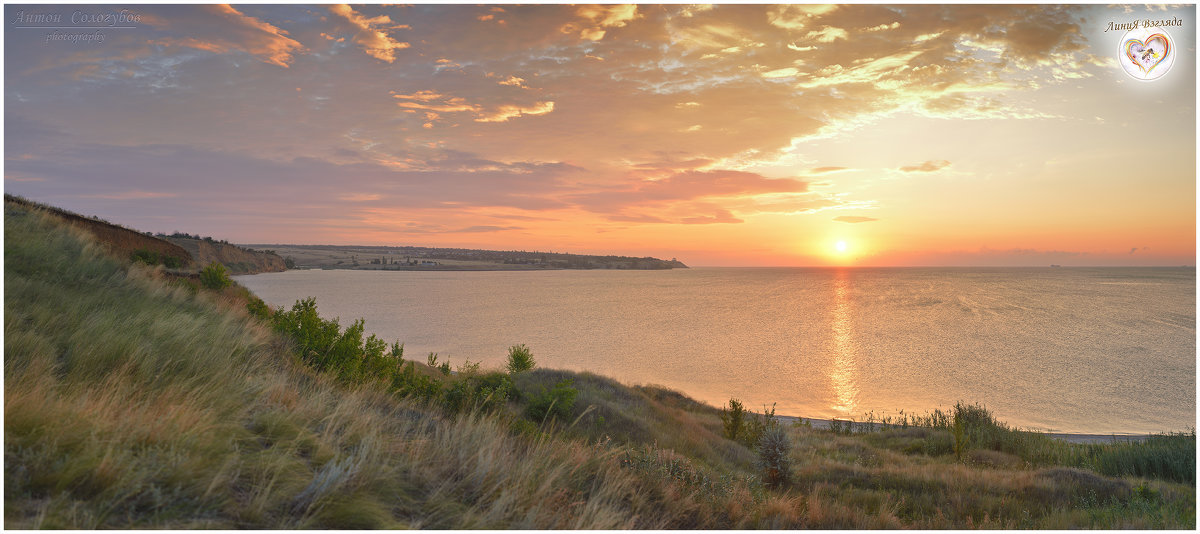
(135, 399)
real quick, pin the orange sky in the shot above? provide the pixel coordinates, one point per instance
(720, 135)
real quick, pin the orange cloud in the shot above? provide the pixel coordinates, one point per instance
(243, 33)
(372, 35)
(504, 113)
(432, 101)
(927, 166)
(601, 17)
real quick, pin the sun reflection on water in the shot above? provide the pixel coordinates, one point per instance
(845, 364)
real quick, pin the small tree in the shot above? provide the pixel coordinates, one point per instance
(961, 438)
(520, 359)
(215, 276)
(734, 419)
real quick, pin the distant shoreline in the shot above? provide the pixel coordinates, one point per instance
(1069, 437)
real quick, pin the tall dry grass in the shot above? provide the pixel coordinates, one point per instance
(134, 401)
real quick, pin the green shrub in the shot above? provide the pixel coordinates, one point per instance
(258, 308)
(733, 419)
(432, 361)
(960, 436)
(468, 368)
(215, 277)
(755, 425)
(520, 359)
(487, 393)
(150, 257)
(556, 402)
(773, 450)
(324, 345)
(410, 383)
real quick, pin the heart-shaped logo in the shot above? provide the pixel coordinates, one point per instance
(1149, 53)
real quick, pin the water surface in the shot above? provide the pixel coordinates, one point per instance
(1064, 349)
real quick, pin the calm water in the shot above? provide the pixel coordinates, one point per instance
(1070, 349)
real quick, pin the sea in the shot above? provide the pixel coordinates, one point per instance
(1077, 350)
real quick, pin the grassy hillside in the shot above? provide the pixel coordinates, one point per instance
(239, 260)
(119, 241)
(134, 399)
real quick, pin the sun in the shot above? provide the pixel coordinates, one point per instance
(841, 246)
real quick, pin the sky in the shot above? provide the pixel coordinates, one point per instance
(756, 135)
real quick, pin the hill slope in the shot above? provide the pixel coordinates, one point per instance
(120, 241)
(135, 400)
(237, 259)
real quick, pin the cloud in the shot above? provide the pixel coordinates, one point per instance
(506, 112)
(433, 102)
(513, 81)
(824, 170)
(796, 17)
(483, 229)
(684, 96)
(678, 192)
(854, 219)
(927, 166)
(372, 33)
(239, 32)
(599, 18)
(827, 34)
(721, 217)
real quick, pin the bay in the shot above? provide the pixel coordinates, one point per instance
(1096, 350)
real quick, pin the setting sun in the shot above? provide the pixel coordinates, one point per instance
(840, 246)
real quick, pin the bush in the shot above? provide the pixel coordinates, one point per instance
(487, 393)
(409, 383)
(773, 450)
(215, 277)
(468, 368)
(520, 359)
(755, 425)
(556, 402)
(324, 345)
(733, 418)
(960, 436)
(432, 361)
(258, 308)
(745, 427)
(150, 257)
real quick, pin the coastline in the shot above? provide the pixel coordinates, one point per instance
(1069, 437)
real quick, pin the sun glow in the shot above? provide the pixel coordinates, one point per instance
(841, 251)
